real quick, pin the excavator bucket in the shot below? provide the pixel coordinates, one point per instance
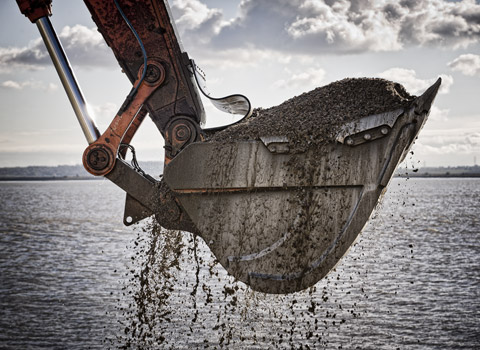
(278, 220)
(276, 215)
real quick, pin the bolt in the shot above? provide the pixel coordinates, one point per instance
(153, 74)
(272, 148)
(384, 131)
(98, 159)
(367, 137)
(182, 133)
(349, 142)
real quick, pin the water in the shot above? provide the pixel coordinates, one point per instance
(68, 272)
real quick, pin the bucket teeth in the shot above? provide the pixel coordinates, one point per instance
(424, 102)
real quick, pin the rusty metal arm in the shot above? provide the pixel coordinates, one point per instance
(145, 195)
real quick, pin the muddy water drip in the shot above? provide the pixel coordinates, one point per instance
(316, 116)
(152, 280)
(174, 275)
(179, 297)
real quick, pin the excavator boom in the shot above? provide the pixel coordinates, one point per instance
(277, 206)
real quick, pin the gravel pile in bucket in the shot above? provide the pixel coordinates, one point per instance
(315, 117)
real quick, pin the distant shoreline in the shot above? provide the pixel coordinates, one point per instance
(78, 172)
(90, 178)
(437, 175)
(48, 178)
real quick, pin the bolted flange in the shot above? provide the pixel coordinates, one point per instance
(98, 160)
(155, 74)
(179, 133)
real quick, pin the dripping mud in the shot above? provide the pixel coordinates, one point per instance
(180, 296)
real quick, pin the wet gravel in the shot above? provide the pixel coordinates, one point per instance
(314, 117)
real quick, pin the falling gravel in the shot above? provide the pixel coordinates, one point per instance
(314, 118)
(174, 273)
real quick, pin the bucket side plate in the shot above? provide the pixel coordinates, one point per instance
(280, 222)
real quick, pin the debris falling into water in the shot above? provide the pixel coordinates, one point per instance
(178, 297)
(181, 298)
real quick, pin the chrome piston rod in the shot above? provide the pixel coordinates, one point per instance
(67, 77)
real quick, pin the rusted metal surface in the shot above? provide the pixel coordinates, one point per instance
(99, 157)
(35, 9)
(132, 130)
(151, 20)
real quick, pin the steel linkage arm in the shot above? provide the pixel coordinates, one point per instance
(176, 107)
(145, 195)
(99, 158)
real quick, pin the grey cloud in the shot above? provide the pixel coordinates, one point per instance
(341, 26)
(26, 57)
(410, 4)
(84, 47)
(293, 26)
(30, 84)
(392, 12)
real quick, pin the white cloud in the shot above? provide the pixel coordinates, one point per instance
(104, 113)
(84, 47)
(438, 114)
(288, 26)
(468, 64)
(238, 57)
(445, 142)
(343, 26)
(197, 19)
(413, 84)
(307, 80)
(30, 84)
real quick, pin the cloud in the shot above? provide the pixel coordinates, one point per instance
(326, 26)
(239, 58)
(413, 84)
(295, 27)
(104, 113)
(31, 57)
(468, 64)
(438, 114)
(193, 16)
(312, 78)
(30, 84)
(444, 142)
(84, 47)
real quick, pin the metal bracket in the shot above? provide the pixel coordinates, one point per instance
(134, 211)
(368, 125)
(367, 135)
(276, 144)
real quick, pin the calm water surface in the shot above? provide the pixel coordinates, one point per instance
(68, 278)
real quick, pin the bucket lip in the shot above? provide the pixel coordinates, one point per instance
(424, 102)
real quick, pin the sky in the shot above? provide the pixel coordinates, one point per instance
(269, 50)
